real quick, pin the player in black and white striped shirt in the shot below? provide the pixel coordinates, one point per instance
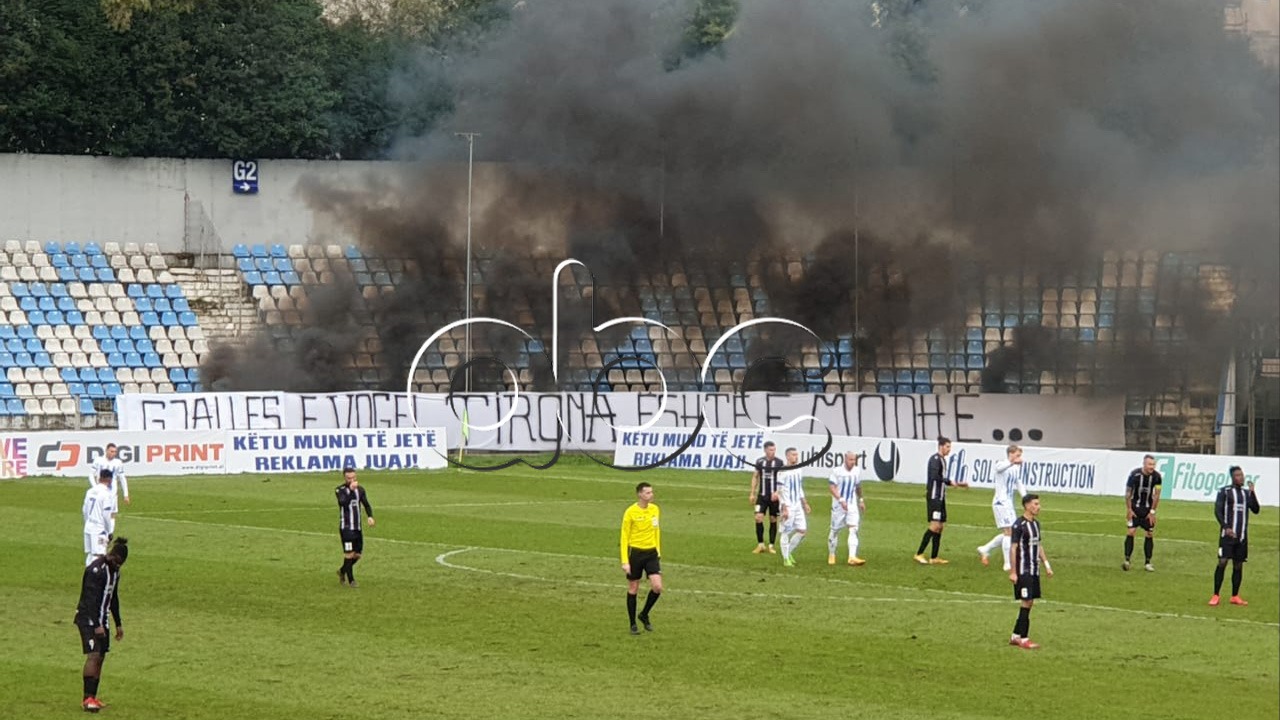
(99, 596)
(1141, 498)
(1028, 558)
(351, 497)
(764, 485)
(936, 503)
(1232, 508)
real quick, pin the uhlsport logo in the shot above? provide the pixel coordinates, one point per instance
(886, 467)
(1194, 476)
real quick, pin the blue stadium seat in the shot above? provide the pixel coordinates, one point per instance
(98, 261)
(273, 278)
(155, 292)
(74, 317)
(1087, 335)
(41, 359)
(920, 377)
(973, 334)
(71, 246)
(85, 275)
(16, 408)
(938, 361)
(55, 317)
(177, 375)
(94, 390)
(903, 389)
(253, 278)
(137, 332)
(975, 362)
(281, 264)
(291, 278)
(6, 332)
(245, 264)
(6, 359)
(149, 318)
(58, 260)
(173, 292)
(974, 347)
(33, 345)
(106, 375)
(88, 375)
(135, 291)
(133, 360)
(86, 407)
(28, 304)
(6, 391)
(144, 345)
(19, 289)
(119, 332)
(91, 248)
(991, 320)
(26, 332)
(51, 247)
(884, 389)
(67, 274)
(125, 346)
(100, 333)
(1011, 321)
(143, 305)
(1106, 321)
(169, 319)
(358, 265)
(68, 375)
(262, 265)
(75, 388)
(352, 253)
(240, 251)
(161, 305)
(64, 304)
(36, 317)
(115, 359)
(182, 387)
(180, 305)
(106, 275)
(46, 304)
(903, 377)
(278, 250)
(39, 290)
(112, 389)
(152, 360)
(78, 261)
(922, 389)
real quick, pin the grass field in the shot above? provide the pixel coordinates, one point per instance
(498, 595)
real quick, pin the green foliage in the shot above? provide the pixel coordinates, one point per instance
(710, 25)
(498, 595)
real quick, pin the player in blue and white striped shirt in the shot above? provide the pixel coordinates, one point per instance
(1008, 481)
(795, 508)
(847, 507)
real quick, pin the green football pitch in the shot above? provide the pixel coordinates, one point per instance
(498, 595)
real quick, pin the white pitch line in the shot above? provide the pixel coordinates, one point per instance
(1050, 532)
(158, 514)
(982, 596)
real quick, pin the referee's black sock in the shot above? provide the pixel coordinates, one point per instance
(631, 607)
(760, 532)
(937, 540)
(90, 687)
(1148, 545)
(1128, 546)
(924, 541)
(649, 602)
(773, 532)
(1218, 573)
(1237, 575)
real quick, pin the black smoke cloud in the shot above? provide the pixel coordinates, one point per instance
(996, 134)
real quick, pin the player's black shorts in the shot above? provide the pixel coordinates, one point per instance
(937, 511)
(767, 506)
(352, 541)
(643, 562)
(91, 643)
(1141, 519)
(1027, 587)
(1230, 548)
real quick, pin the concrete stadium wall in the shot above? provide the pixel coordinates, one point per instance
(181, 205)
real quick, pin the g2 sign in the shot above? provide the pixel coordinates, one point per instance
(244, 177)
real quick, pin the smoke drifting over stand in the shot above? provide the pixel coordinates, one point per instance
(1004, 134)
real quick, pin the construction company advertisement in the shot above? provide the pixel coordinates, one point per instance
(216, 452)
(1047, 470)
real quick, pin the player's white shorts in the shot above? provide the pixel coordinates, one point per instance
(94, 544)
(796, 521)
(841, 518)
(1005, 516)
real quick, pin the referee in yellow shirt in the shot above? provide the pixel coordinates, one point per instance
(641, 548)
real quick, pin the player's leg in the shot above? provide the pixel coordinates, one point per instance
(833, 537)
(92, 676)
(759, 527)
(937, 527)
(1239, 557)
(1148, 546)
(853, 543)
(784, 540)
(984, 552)
(655, 591)
(799, 529)
(351, 570)
(1219, 573)
(633, 588)
(1128, 543)
(773, 525)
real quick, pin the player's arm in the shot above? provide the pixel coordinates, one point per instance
(935, 472)
(1155, 494)
(368, 509)
(1220, 512)
(93, 474)
(755, 483)
(1128, 498)
(804, 500)
(1016, 540)
(115, 609)
(1048, 569)
(835, 493)
(124, 485)
(625, 541)
(93, 589)
(657, 531)
(1254, 507)
(862, 504)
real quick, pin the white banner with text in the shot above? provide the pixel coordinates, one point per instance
(528, 422)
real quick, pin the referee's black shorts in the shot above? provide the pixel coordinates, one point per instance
(643, 561)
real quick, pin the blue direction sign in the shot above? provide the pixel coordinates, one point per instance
(244, 177)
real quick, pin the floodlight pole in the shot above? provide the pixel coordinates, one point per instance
(471, 149)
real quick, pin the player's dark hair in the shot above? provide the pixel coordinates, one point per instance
(1148, 457)
(1011, 449)
(1028, 498)
(769, 444)
(943, 440)
(642, 486)
(791, 450)
(106, 473)
(119, 549)
(1232, 470)
(347, 469)
(110, 445)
